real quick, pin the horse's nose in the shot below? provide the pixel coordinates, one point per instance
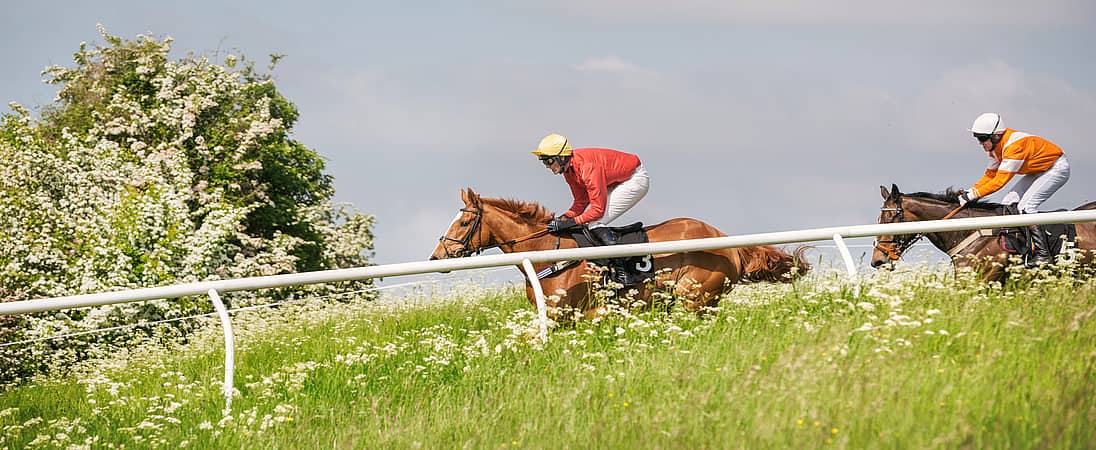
(432, 257)
(878, 262)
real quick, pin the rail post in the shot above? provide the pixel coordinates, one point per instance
(538, 292)
(850, 267)
(230, 347)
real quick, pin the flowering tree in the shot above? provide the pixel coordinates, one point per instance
(148, 171)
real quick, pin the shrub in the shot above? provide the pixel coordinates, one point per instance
(149, 171)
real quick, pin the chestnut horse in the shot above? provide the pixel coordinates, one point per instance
(966, 248)
(699, 278)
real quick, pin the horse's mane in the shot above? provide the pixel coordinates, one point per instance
(531, 213)
(951, 195)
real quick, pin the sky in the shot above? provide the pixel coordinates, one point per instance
(754, 116)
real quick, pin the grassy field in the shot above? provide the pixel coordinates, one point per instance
(918, 360)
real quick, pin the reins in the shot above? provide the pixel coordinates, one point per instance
(511, 242)
(953, 212)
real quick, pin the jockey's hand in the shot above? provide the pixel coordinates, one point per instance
(964, 198)
(557, 225)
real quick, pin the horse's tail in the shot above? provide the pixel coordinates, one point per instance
(768, 263)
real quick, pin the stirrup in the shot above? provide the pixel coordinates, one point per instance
(626, 279)
(1034, 261)
(621, 275)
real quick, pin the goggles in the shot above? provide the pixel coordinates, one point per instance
(982, 137)
(548, 160)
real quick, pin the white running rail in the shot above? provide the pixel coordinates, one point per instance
(525, 260)
(515, 259)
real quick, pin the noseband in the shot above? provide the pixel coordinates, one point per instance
(896, 246)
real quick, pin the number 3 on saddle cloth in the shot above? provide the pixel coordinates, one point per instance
(642, 267)
(1017, 241)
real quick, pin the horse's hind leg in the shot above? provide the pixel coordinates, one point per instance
(700, 297)
(703, 304)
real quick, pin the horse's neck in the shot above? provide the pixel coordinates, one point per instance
(946, 240)
(505, 229)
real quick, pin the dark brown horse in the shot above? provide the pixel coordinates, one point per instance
(698, 278)
(970, 248)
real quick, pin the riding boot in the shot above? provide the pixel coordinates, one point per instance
(605, 235)
(1041, 244)
(608, 237)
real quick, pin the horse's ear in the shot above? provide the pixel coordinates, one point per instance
(894, 190)
(470, 198)
(883, 190)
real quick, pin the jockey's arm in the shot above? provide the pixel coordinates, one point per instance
(598, 193)
(582, 199)
(998, 174)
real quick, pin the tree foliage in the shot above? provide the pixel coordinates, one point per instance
(148, 171)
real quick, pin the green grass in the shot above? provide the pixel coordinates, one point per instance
(919, 360)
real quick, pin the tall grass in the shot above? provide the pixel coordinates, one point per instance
(919, 360)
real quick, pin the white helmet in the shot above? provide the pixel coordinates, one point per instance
(987, 123)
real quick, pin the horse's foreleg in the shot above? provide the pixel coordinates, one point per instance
(988, 265)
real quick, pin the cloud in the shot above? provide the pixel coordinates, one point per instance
(868, 12)
(748, 151)
(606, 64)
(1038, 103)
(756, 115)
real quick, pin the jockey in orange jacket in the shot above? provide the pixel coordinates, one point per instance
(605, 183)
(1043, 166)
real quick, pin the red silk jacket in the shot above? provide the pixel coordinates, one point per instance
(592, 172)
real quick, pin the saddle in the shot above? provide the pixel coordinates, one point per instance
(641, 266)
(1017, 240)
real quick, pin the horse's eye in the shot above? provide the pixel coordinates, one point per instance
(464, 223)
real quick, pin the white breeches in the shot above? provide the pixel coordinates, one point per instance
(1035, 188)
(624, 196)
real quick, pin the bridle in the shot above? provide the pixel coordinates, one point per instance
(896, 246)
(899, 246)
(476, 231)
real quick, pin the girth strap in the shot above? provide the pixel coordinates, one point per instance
(966, 242)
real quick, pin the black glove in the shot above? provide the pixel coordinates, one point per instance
(556, 225)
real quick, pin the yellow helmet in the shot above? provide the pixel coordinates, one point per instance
(553, 145)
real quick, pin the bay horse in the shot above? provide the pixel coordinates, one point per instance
(967, 248)
(698, 278)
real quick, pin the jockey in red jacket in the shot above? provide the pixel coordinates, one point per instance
(605, 183)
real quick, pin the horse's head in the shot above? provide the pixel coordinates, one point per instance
(890, 248)
(465, 236)
(485, 223)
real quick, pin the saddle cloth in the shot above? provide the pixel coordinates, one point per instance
(640, 266)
